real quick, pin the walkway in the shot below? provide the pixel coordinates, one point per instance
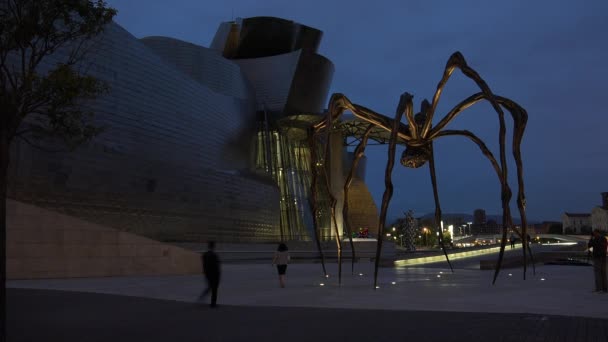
(431, 303)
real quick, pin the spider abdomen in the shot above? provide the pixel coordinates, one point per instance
(415, 156)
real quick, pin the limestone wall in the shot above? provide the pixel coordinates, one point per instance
(45, 244)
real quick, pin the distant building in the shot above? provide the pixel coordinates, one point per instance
(491, 227)
(585, 223)
(599, 215)
(479, 222)
(479, 216)
(576, 223)
(544, 227)
(599, 218)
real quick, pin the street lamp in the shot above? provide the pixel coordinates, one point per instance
(424, 231)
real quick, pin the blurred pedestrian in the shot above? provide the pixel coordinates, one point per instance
(211, 270)
(599, 244)
(281, 259)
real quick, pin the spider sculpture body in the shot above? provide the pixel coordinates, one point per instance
(418, 136)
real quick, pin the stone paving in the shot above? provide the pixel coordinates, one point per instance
(554, 305)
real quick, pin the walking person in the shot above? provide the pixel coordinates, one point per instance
(281, 259)
(599, 244)
(211, 270)
(512, 240)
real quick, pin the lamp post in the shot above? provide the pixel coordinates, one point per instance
(424, 230)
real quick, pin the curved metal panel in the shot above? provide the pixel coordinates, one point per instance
(159, 168)
(310, 85)
(272, 78)
(270, 36)
(202, 64)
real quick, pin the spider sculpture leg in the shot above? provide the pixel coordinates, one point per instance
(437, 207)
(488, 154)
(405, 105)
(519, 116)
(313, 194)
(359, 152)
(339, 103)
(332, 198)
(458, 61)
(520, 119)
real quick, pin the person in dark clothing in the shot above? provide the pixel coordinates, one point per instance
(512, 240)
(599, 244)
(281, 259)
(211, 270)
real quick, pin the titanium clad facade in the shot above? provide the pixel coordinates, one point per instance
(198, 142)
(280, 59)
(168, 164)
(272, 78)
(270, 36)
(205, 65)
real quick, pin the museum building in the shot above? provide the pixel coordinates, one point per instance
(198, 142)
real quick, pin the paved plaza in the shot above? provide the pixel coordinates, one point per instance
(432, 303)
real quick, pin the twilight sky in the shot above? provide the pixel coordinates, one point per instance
(547, 55)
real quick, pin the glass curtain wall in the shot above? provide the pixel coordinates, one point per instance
(287, 161)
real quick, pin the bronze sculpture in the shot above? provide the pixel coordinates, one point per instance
(418, 136)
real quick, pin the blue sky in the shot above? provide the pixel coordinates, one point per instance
(549, 56)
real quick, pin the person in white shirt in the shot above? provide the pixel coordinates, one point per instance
(281, 259)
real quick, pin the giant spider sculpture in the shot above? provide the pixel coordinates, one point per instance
(418, 136)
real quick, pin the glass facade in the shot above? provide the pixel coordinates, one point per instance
(287, 161)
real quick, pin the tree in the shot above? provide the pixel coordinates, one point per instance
(447, 237)
(408, 230)
(42, 85)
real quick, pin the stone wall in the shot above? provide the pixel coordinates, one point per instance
(45, 244)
